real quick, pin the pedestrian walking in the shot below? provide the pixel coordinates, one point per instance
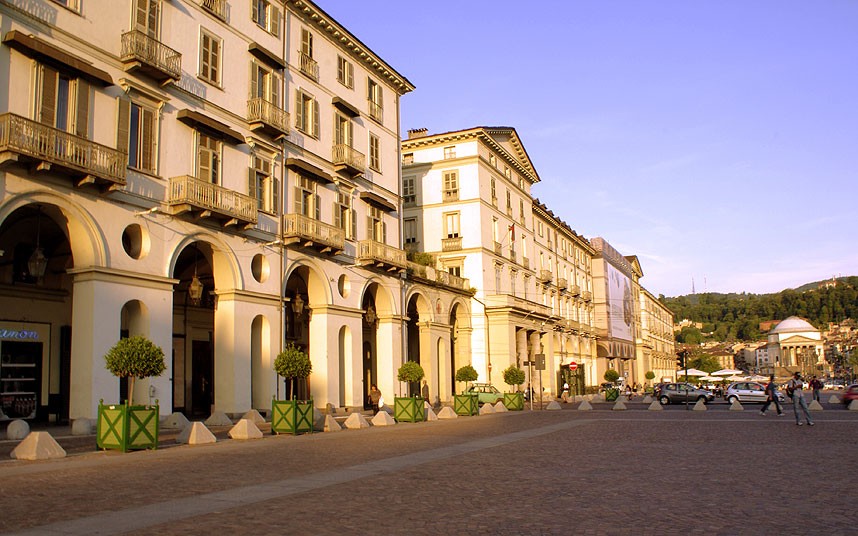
(565, 394)
(816, 387)
(424, 392)
(374, 397)
(772, 396)
(795, 389)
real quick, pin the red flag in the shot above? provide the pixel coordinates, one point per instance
(512, 231)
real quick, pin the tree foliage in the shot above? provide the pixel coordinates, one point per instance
(467, 374)
(512, 375)
(410, 371)
(611, 375)
(293, 363)
(731, 317)
(135, 357)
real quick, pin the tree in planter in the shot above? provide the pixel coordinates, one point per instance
(466, 374)
(650, 376)
(513, 375)
(135, 357)
(410, 372)
(611, 376)
(293, 363)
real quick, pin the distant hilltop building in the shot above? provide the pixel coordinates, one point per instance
(827, 284)
(684, 323)
(766, 325)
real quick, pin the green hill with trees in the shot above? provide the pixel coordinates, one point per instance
(735, 317)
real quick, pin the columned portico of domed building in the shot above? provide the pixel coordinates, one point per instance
(794, 345)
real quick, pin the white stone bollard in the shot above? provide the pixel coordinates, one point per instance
(585, 406)
(655, 406)
(196, 433)
(17, 429)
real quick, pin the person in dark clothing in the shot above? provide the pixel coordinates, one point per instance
(772, 392)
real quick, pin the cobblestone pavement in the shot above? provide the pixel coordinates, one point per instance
(540, 472)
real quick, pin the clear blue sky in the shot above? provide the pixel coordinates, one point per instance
(714, 139)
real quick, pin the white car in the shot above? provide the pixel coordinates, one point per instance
(746, 392)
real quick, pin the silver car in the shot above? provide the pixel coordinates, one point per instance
(676, 393)
(746, 392)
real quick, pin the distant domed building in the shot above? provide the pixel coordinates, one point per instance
(795, 345)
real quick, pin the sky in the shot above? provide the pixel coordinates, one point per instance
(717, 140)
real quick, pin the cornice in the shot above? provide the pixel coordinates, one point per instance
(317, 16)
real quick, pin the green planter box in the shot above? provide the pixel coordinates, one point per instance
(408, 409)
(612, 394)
(123, 427)
(466, 404)
(291, 416)
(513, 401)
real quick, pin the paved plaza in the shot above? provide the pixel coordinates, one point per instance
(539, 472)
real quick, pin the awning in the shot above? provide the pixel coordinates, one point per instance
(345, 107)
(196, 119)
(266, 56)
(296, 164)
(43, 51)
(378, 201)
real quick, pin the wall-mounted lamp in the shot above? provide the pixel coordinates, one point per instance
(297, 304)
(38, 263)
(370, 315)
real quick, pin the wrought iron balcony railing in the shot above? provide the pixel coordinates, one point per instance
(266, 115)
(345, 157)
(376, 112)
(140, 51)
(215, 7)
(22, 138)
(544, 276)
(309, 66)
(298, 228)
(190, 194)
(561, 283)
(381, 255)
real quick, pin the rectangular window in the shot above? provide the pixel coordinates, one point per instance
(409, 196)
(408, 158)
(344, 216)
(494, 193)
(210, 55)
(498, 271)
(451, 224)
(374, 152)
(455, 269)
(146, 17)
(375, 225)
(266, 15)
(493, 160)
(374, 98)
(342, 130)
(62, 102)
(512, 277)
(306, 43)
(306, 200)
(521, 211)
(506, 171)
(262, 186)
(208, 158)
(137, 127)
(345, 72)
(306, 113)
(508, 203)
(450, 152)
(264, 84)
(308, 66)
(409, 226)
(451, 185)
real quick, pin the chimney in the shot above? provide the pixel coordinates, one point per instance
(417, 133)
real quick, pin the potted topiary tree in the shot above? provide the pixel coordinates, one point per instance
(126, 426)
(611, 393)
(409, 408)
(650, 376)
(292, 416)
(466, 403)
(513, 375)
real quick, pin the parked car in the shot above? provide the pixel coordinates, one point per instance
(850, 394)
(486, 393)
(675, 393)
(746, 392)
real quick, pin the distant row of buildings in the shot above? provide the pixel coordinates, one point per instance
(227, 177)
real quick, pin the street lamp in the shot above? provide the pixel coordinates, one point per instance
(38, 263)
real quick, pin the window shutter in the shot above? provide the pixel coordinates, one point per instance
(48, 106)
(317, 205)
(299, 110)
(82, 111)
(251, 185)
(315, 118)
(274, 89)
(352, 231)
(147, 153)
(369, 228)
(274, 21)
(254, 80)
(384, 232)
(299, 200)
(123, 122)
(254, 10)
(338, 216)
(275, 195)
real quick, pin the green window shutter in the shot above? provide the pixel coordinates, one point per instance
(123, 123)
(275, 196)
(48, 105)
(82, 111)
(147, 151)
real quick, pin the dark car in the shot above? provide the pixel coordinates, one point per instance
(850, 394)
(677, 393)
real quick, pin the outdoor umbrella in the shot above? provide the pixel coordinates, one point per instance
(726, 372)
(735, 378)
(691, 372)
(710, 378)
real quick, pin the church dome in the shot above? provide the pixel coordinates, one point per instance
(793, 324)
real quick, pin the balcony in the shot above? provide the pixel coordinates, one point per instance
(375, 111)
(561, 283)
(309, 232)
(498, 248)
(512, 255)
(451, 195)
(526, 263)
(451, 244)
(440, 277)
(574, 289)
(190, 195)
(267, 117)
(86, 162)
(309, 67)
(544, 276)
(509, 302)
(586, 295)
(151, 57)
(372, 253)
(348, 159)
(574, 325)
(215, 7)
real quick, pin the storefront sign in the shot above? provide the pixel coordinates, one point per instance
(19, 335)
